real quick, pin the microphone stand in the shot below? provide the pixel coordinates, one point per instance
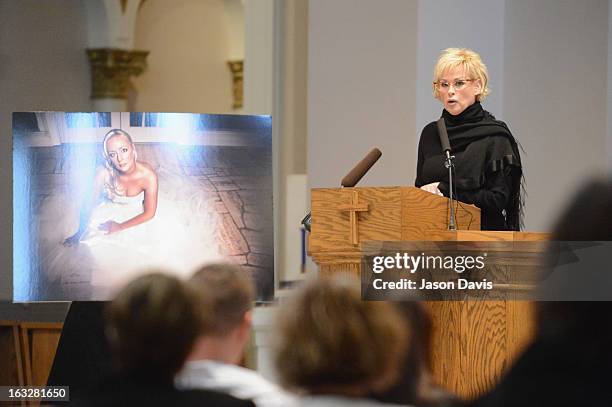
(307, 221)
(449, 163)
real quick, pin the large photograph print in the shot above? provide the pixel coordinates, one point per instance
(99, 198)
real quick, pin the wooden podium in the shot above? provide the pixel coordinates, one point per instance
(474, 342)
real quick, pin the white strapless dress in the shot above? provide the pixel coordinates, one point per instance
(181, 237)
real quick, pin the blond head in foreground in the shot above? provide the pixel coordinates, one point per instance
(332, 342)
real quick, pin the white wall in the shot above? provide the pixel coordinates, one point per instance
(189, 44)
(555, 101)
(43, 66)
(234, 15)
(477, 24)
(361, 86)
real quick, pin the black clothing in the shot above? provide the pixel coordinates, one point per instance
(83, 354)
(488, 168)
(567, 371)
(83, 361)
(127, 391)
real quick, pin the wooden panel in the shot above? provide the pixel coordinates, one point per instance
(26, 356)
(331, 227)
(11, 373)
(352, 270)
(470, 235)
(484, 346)
(492, 333)
(446, 343)
(521, 326)
(475, 342)
(382, 222)
(531, 236)
(44, 345)
(39, 343)
(424, 212)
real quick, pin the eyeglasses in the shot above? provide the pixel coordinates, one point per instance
(458, 84)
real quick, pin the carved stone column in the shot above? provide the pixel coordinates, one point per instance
(236, 68)
(111, 70)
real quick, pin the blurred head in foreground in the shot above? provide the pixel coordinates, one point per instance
(416, 385)
(332, 342)
(569, 361)
(230, 293)
(588, 217)
(416, 364)
(152, 325)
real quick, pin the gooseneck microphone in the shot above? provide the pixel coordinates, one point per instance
(443, 134)
(448, 163)
(352, 178)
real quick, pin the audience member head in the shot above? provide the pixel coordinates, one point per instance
(152, 325)
(332, 342)
(586, 218)
(416, 361)
(415, 385)
(230, 292)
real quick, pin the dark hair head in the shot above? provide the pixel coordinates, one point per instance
(588, 217)
(153, 323)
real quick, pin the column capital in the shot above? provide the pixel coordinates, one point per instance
(237, 69)
(111, 69)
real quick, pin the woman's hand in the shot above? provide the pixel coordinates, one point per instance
(73, 240)
(110, 227)
(433, 188)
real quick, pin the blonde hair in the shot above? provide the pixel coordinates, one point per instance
(230, 292)
(462, 57)
(111, 185)
(330, 337)
(112, 133)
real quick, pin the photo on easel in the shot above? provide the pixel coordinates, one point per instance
(99, 198)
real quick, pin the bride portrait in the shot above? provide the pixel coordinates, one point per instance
(126, 187)
(103, 212)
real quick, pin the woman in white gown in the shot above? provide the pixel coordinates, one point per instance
(136, 219)
(124, 181)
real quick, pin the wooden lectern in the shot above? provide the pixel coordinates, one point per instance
(474, 342)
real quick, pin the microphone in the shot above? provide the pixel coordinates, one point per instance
(351, 179)
(448, 163)
(354, 176)
(443, 134)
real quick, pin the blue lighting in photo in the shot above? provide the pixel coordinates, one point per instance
(83, 160)
(22, 241)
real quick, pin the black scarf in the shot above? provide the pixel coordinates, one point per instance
(472, 127)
